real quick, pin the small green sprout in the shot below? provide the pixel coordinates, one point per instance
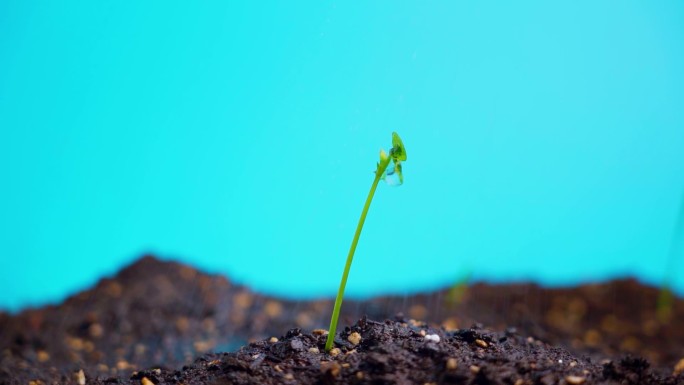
(457, 292)
(664, 305)
(666, 296)
(393, 176)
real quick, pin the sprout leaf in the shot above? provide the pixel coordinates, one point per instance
(398, 151)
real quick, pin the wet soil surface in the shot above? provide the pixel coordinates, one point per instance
(162, 322)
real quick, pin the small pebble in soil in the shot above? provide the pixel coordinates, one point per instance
(451, 364)
(80, 377)
(332, 368)
(679, 368)
(273, 340)
(304, 320)
(42, 356)
(575, 380)
(432, 337)
(314, 350)
(450, 324)
(273, 309)
(202, 346)
(481, 343)
(335, 351)
(146, 381)
(95, 330)
(474, 368)
(319, 332)
(354, 338)
(592, 338)
(416, 324)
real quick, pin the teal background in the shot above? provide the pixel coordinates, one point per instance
(545, 141)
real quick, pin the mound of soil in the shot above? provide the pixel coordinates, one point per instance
(404, 352)
(164, 315)
(605, 320)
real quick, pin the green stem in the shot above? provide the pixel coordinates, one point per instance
(340, 292)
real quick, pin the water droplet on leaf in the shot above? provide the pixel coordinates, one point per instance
(393, 175)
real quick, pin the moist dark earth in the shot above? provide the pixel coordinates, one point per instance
(161, 322)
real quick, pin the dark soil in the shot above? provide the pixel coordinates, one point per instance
(163, 315)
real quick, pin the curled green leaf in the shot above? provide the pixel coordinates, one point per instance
(398, 151)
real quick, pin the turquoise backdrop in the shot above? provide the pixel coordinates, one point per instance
(545, 142)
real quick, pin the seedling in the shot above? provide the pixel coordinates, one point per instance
(666, 296)
(664, 305)
(392, 176)
(457, 291)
